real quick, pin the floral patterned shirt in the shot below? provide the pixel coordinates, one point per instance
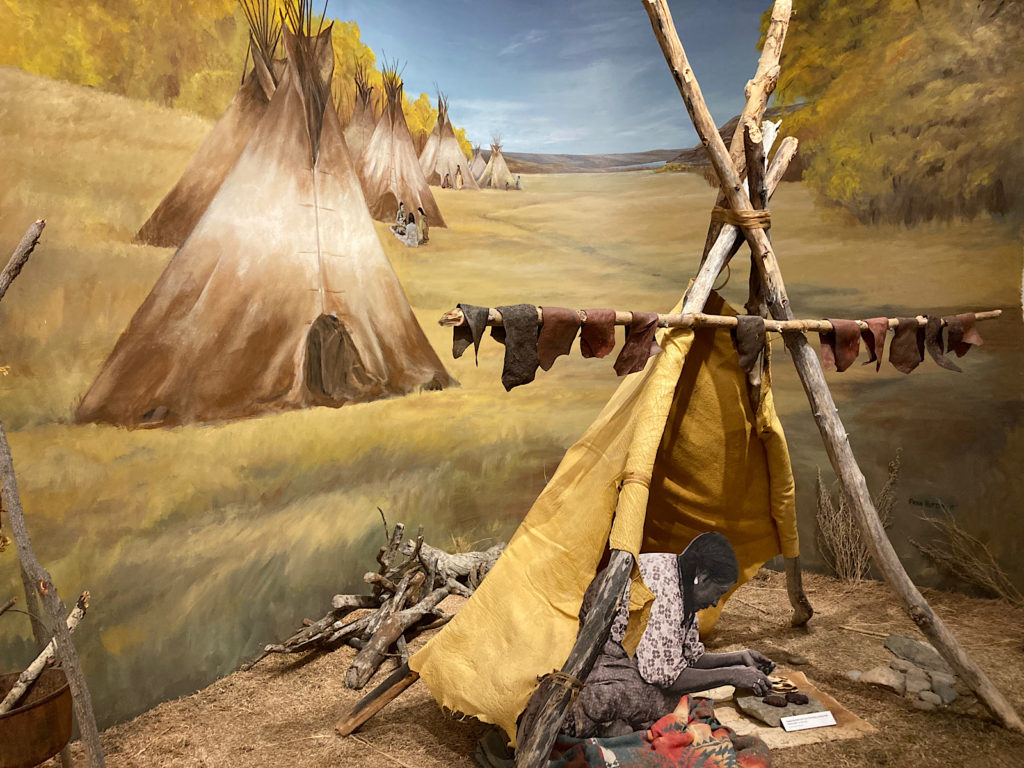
(667, 646)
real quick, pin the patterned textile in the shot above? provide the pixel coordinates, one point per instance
(667, 646)
(690, 737)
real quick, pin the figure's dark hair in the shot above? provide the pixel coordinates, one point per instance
(412, 218)
(711, 554)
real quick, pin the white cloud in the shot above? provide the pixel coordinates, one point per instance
(522, 40)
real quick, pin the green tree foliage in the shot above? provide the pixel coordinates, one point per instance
(187, 54)
(913, 107)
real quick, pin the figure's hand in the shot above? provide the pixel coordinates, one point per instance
(758, 660)
(753, 678)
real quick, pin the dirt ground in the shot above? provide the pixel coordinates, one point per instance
(282, 712)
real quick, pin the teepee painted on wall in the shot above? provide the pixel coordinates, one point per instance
(476, 170)
(496, 174)
(364, 121)
(390, 169)
(282, 296)
(444, 155)
(176, 215)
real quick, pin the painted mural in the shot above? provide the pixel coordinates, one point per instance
(223, 363)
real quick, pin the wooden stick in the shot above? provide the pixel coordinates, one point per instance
(826, 415)
(544, 715)
(758, 90)
(368, 659)
(802, 609)
(8, 605)
(20, 255)
(34, 609)
(455, 317)
(26, 678)
(377, 699)
(353, 602)
(868, 632)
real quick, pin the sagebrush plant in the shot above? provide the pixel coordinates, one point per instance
(967, 558)
(839, 537)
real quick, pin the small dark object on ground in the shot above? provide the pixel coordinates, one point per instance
(777, 700)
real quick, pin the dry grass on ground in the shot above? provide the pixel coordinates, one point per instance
(281, 714)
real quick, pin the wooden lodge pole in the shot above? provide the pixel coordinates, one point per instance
(758, 90)
(826, 415)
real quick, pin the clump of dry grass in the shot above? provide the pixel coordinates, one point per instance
(967, 558)
(839, 537)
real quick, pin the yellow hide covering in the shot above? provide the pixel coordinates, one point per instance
(677, 451)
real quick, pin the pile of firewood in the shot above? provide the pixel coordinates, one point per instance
(413, 579)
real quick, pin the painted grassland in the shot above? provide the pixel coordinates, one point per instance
(202, 543)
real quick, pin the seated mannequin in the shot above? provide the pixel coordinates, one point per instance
(624, 694)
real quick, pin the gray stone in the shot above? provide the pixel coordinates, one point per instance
(917, 680)
(853, 675)
(946, 693)
(929, 696)
(796, 660)
(941, 678)
(769, 715)
(922, 654)
(887, 678)
(924, 706)
(901, 665)
(962, 688)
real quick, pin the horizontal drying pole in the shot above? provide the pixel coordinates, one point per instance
(455, 317)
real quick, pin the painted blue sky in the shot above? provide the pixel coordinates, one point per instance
(564, 76)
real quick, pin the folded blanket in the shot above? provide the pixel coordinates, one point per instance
(690, 736)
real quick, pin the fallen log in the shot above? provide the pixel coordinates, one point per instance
(369, 659)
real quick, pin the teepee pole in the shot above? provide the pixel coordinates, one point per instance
(758, 90)
(546, 710)
(826, 415)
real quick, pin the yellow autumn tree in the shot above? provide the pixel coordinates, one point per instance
(188, 54)
(912, 110)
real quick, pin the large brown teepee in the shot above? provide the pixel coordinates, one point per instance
(282, 296)
(360, 127)
(177, 214)
(390, 168)
(445, 157)
(496, 174)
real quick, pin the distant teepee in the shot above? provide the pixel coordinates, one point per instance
(445, 156)
(176, 215)
(282, 296)
(390, 169)
(360, 127)
(496, 174)
(428, 155)
(476, 170)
